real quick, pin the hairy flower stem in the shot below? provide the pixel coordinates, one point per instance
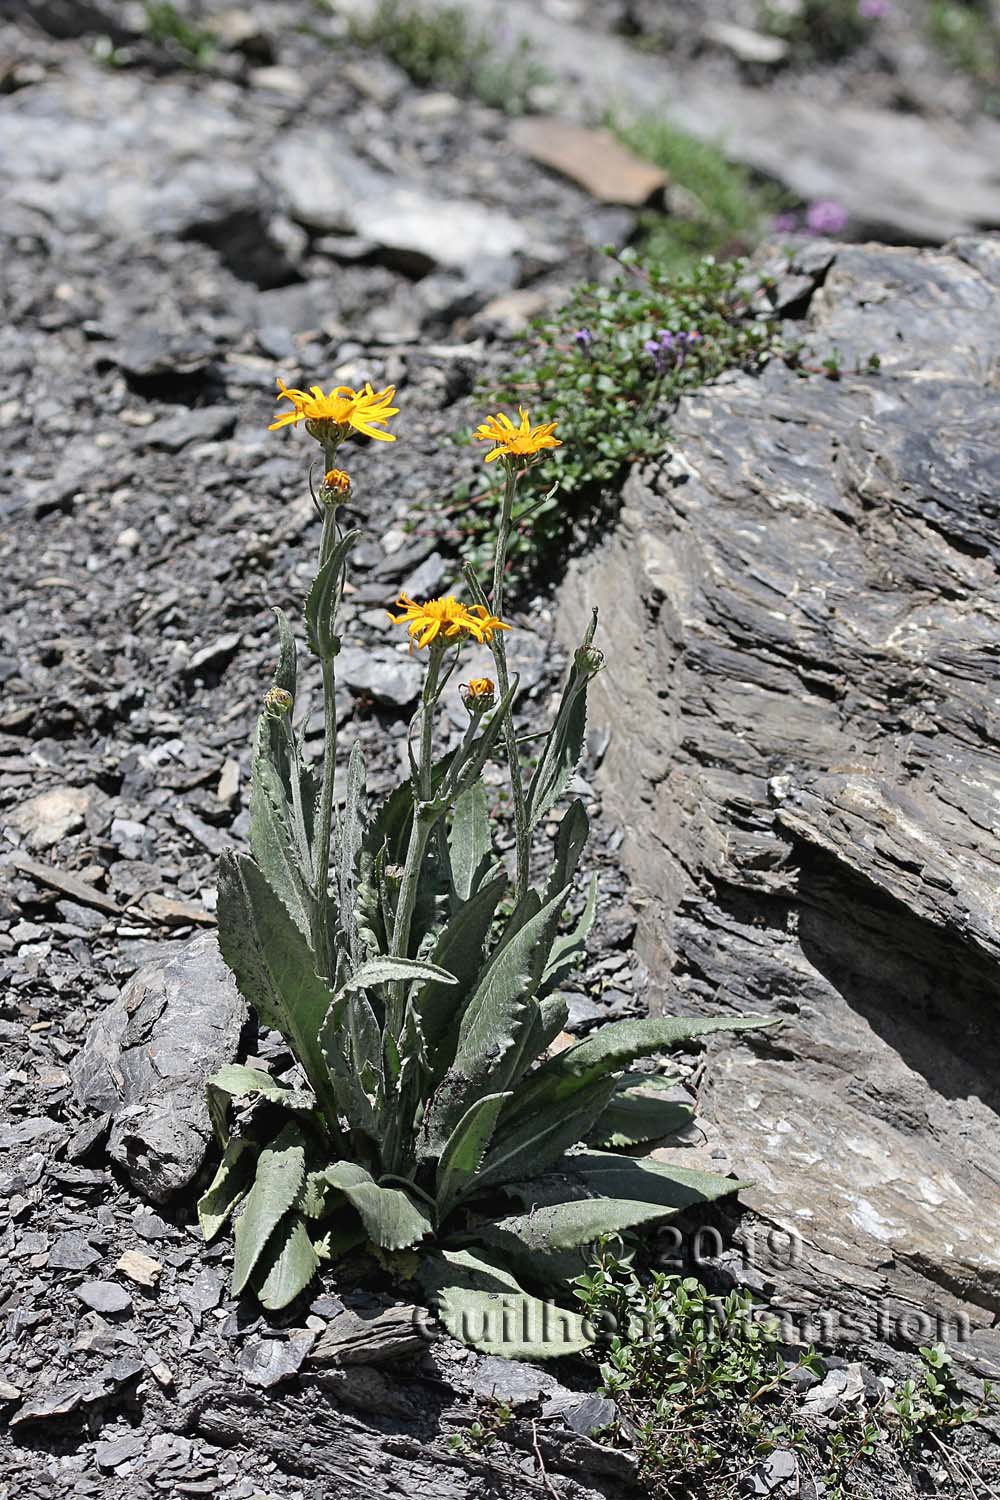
(420, 831)
(521, 846)
(325, 819)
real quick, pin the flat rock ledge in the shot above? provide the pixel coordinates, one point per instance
(800, 609)
(147, 1059)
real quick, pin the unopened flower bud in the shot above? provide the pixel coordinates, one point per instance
(337, 483)
(278, 702)
(589, 659)
(479, 695)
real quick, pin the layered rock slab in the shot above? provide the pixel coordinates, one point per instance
(806, 679)
(147, 1059)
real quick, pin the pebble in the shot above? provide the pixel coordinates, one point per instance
(71, 1252)
(142, 1269)
(104, 1297)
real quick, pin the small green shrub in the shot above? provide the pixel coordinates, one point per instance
(442, 48)
(168, 28)
(691, 1374)
(718, 209)
(591, 365)
(933, 1403)
(968, 33)
(819, 30)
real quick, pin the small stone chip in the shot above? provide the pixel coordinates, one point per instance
(161, 1373)
(142, 1269)
(115, 1451)
(105, 1296)
(71, 1252)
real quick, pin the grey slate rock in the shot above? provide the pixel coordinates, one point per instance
(387, 675)
(583, 1415)
(821, 559)
(266, 1362)
(112, 1452)
(71, 1252)
(203, 424)
(147, 1060)
(105, 1297)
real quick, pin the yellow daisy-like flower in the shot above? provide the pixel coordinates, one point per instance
(516, 442)
(445, 618)
(366, 411)
(480, 687)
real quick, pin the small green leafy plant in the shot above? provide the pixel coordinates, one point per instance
(431, 1128)
(968, 33)
(934, 1402)
(819, 30)
(609, 364)
(193, 45)
(440, 47)
(716, 207)
(487, 1430)
(691, 1373)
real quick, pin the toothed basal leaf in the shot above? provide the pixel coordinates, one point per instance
(481, 1303)
(281, 1170)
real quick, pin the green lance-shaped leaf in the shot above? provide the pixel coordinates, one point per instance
(554, 1014)
(464, 1152)
(567, 1226)
(277, 846)
(569, 949)
(287, 1265)
(601, 1193)
(393, 1219)
(469, 841)
(491, 1028)
(282, 793)
(240, 1082)
(533, 1139)
(612, 1048)
(574, 826)
(586, 1174)
(281, 1170)
(351, 831)
(386, 970)
(605, 1174)
(480, 1302)
(563, 744)
(459, 950)
(322, 599)
(285, 673)
(227, 1187)
(274, 966)
(351, 1031)
(638, 1112)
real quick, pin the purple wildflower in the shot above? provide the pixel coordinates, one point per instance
(786, 223)
(826, 216)
(670, 348)
(873, 10)
(584, 338)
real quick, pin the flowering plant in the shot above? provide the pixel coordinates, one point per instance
(433, 1118)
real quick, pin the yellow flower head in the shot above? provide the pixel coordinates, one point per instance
(278, 702)
(445, 618)
(337, 480)
(515, 442)
(366, 411)
(478, 695)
